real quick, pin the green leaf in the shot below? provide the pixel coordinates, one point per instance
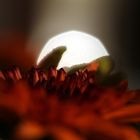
(106, 65)
(102, 68)
(75, 68)
(53, 58)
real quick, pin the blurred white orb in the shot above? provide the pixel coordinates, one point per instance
(81, 48)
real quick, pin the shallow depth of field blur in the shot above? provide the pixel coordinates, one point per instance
(49, 104)
(26, 25)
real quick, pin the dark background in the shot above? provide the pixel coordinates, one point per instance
(30, 23)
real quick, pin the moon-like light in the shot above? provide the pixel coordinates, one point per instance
(81, 48)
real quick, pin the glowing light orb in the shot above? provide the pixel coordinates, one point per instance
(81, 48)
